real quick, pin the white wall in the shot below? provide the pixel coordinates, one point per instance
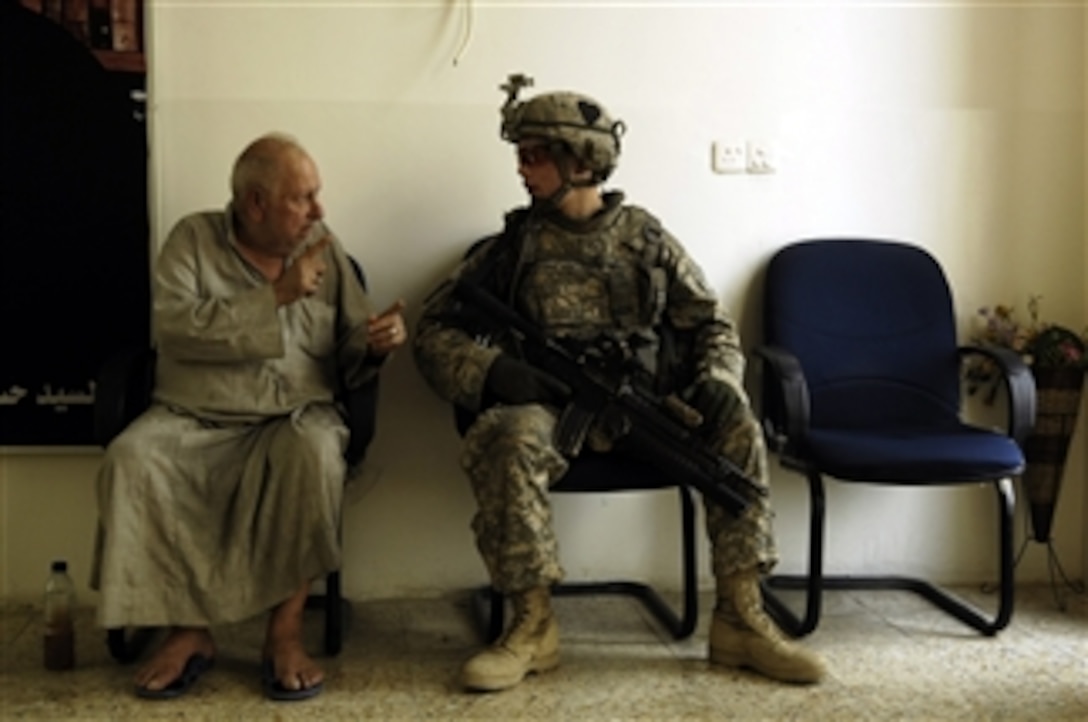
(959, 127)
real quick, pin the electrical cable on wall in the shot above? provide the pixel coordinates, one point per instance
(466, 36)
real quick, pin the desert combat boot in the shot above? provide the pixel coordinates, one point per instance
(742, 635)
(530, 645)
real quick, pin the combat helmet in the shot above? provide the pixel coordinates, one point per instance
(577, 121)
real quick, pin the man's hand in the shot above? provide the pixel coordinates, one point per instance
(386, 331)
(513, 381)
(302, 277)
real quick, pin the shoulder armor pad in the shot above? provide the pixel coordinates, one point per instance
(514, 218)
(645, 234)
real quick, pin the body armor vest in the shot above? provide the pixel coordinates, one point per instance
(598, 291)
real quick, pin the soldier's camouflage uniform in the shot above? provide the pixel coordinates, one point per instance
(618, 276)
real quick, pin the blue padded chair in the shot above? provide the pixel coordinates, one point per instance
(123, 391)
(862, 384)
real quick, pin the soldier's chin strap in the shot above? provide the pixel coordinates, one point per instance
(557, 198)
(564, 162)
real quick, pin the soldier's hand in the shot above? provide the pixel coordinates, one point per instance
(513, 381)
(716, 400)
(304, 276)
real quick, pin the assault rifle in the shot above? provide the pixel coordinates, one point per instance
(659, 431)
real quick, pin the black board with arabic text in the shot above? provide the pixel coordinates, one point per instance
(74, 274)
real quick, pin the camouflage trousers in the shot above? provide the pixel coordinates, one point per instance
(511, 462)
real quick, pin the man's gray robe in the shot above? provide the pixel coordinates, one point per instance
(224, 497)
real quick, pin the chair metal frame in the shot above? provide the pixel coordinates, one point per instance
(604, 473)
(490, 604)
(815, 581)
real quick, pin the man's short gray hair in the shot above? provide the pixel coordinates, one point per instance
(258, 165)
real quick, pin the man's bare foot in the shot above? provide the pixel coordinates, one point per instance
(292, 667)
(169, 661)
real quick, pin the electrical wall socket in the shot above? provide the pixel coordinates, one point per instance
(762, 156)
(728, 156)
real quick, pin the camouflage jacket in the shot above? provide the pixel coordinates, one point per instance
(618, 276)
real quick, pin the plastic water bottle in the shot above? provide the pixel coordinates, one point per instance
(60, 602)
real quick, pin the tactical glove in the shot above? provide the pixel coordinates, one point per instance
(513, 381)
(715, 400)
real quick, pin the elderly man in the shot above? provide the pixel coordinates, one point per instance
(595, 274)
(223, 499)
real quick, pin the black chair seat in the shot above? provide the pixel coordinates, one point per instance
(608, 473)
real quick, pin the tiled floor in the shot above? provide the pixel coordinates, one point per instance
(891, 657)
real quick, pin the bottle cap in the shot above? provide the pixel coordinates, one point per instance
(60, 565)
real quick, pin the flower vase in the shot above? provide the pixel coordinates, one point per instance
(1058, 392)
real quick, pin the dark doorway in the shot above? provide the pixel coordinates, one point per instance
(74, 279)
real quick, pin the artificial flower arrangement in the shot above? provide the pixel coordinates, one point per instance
(1042, 345)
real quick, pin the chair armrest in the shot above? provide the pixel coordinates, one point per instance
(786, 405)
(357, 268)
(122, 391)
(361, 405)
(1019, 385)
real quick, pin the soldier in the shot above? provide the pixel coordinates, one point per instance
(595, 272)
